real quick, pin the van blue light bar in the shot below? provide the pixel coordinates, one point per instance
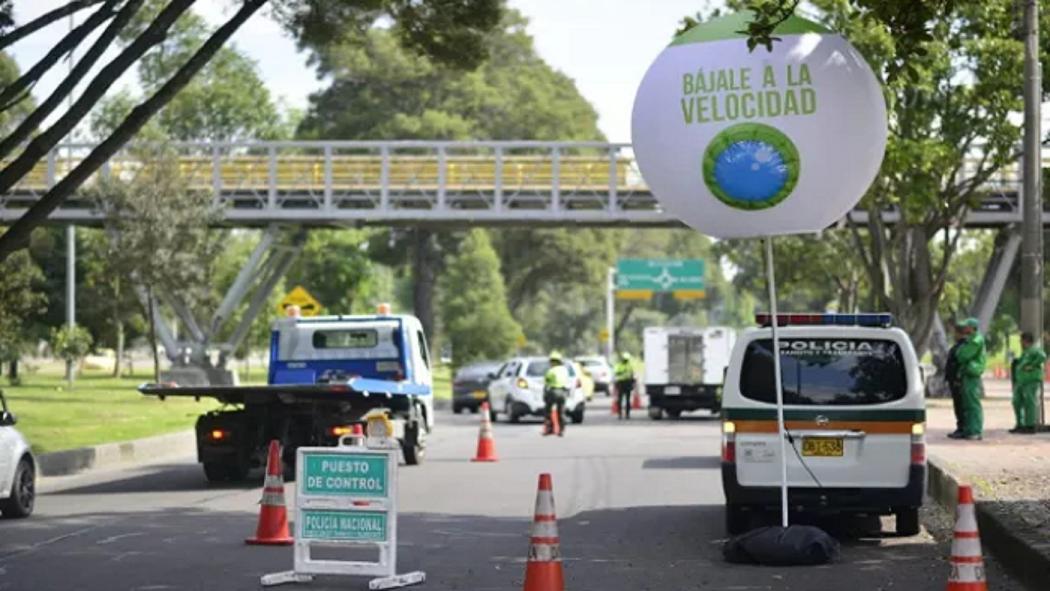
(880, 320)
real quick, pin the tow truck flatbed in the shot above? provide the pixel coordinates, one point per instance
(338, 392)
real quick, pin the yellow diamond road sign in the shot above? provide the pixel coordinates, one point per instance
(308, 306)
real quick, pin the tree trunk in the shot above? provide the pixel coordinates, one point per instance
(153, 334)
(119, 348)
(12, 372)
(424, 278)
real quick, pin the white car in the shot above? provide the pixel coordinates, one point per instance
(600, 371)
(517, 390)
(17, 468)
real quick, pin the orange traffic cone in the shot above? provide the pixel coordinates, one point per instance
(486, 444)
(616, 405)
(636, 401)
(967, 572)
(543, 571)
(273, 516)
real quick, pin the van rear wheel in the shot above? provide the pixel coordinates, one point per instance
(738, 520)
(907, 521)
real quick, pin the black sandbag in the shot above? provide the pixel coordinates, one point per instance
(778, 546)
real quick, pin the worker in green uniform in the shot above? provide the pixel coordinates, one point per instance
(971, 359)
(1028, 380)
(623, 374)
(555, 390)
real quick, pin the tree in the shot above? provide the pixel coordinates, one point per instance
(158, 233)
(474, 305)
(448, 30)
(108, 306)
(951, 75)
(20, 300)
(381, 91)
(71, 343)
(335, 268)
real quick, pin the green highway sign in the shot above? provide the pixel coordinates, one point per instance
(358, 526)
(345, 475)
(639, 278)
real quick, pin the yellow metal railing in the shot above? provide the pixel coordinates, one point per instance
(308, 172)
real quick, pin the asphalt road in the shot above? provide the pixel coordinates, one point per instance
(639, 507)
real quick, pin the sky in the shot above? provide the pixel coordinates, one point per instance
(604, 45)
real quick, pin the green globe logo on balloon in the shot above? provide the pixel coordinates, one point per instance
(751, 166)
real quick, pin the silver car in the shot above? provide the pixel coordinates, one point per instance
(516, 390)
(17, 468)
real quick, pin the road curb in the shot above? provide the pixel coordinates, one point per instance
(83, 459)
(1026, 559)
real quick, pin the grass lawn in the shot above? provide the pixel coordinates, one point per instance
(103, 409)
(97, 409)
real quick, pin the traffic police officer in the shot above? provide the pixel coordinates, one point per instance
(1028, 379)
(623, 373)
(555, 390)
(971, 360)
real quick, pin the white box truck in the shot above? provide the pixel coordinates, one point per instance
(685, 368)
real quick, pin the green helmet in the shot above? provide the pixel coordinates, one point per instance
(969, 323)
(555, 356)
(625, 356)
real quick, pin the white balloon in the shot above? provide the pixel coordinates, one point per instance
(738, 143)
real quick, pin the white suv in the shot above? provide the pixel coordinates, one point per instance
(854, 416)
(17, 468)
(516, 390)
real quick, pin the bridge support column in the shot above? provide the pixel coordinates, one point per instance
(193, 355)
(1007, 245)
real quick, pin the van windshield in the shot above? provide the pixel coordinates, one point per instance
(818, 371)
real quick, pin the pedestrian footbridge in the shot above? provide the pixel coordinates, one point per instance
(422, 183)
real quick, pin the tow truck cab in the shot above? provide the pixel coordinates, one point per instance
(326, 373)
(854, 414)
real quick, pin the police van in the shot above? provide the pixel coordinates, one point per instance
(854, 415)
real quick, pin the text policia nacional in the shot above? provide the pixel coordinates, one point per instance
(741, 93)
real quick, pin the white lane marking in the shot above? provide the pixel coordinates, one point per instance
(112, 539)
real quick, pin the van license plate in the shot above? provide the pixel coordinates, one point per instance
(672, 390)
(830, 447)
(480, 394)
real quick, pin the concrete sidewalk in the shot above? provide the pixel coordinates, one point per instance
(1011, 479)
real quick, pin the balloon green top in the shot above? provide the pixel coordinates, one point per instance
(734, 26)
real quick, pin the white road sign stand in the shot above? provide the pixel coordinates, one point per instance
(346, 496)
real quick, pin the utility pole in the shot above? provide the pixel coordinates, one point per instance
(610, 313)
(1032, 241)
(71, 238)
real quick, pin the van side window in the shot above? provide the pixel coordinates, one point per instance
(423, 348)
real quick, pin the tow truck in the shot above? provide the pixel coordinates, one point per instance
(326, 374)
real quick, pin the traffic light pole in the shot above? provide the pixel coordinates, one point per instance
(1032, 240)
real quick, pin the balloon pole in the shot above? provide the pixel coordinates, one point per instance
(772, 283)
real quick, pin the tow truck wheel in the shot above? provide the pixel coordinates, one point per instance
(216, 471)
(412, 446)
